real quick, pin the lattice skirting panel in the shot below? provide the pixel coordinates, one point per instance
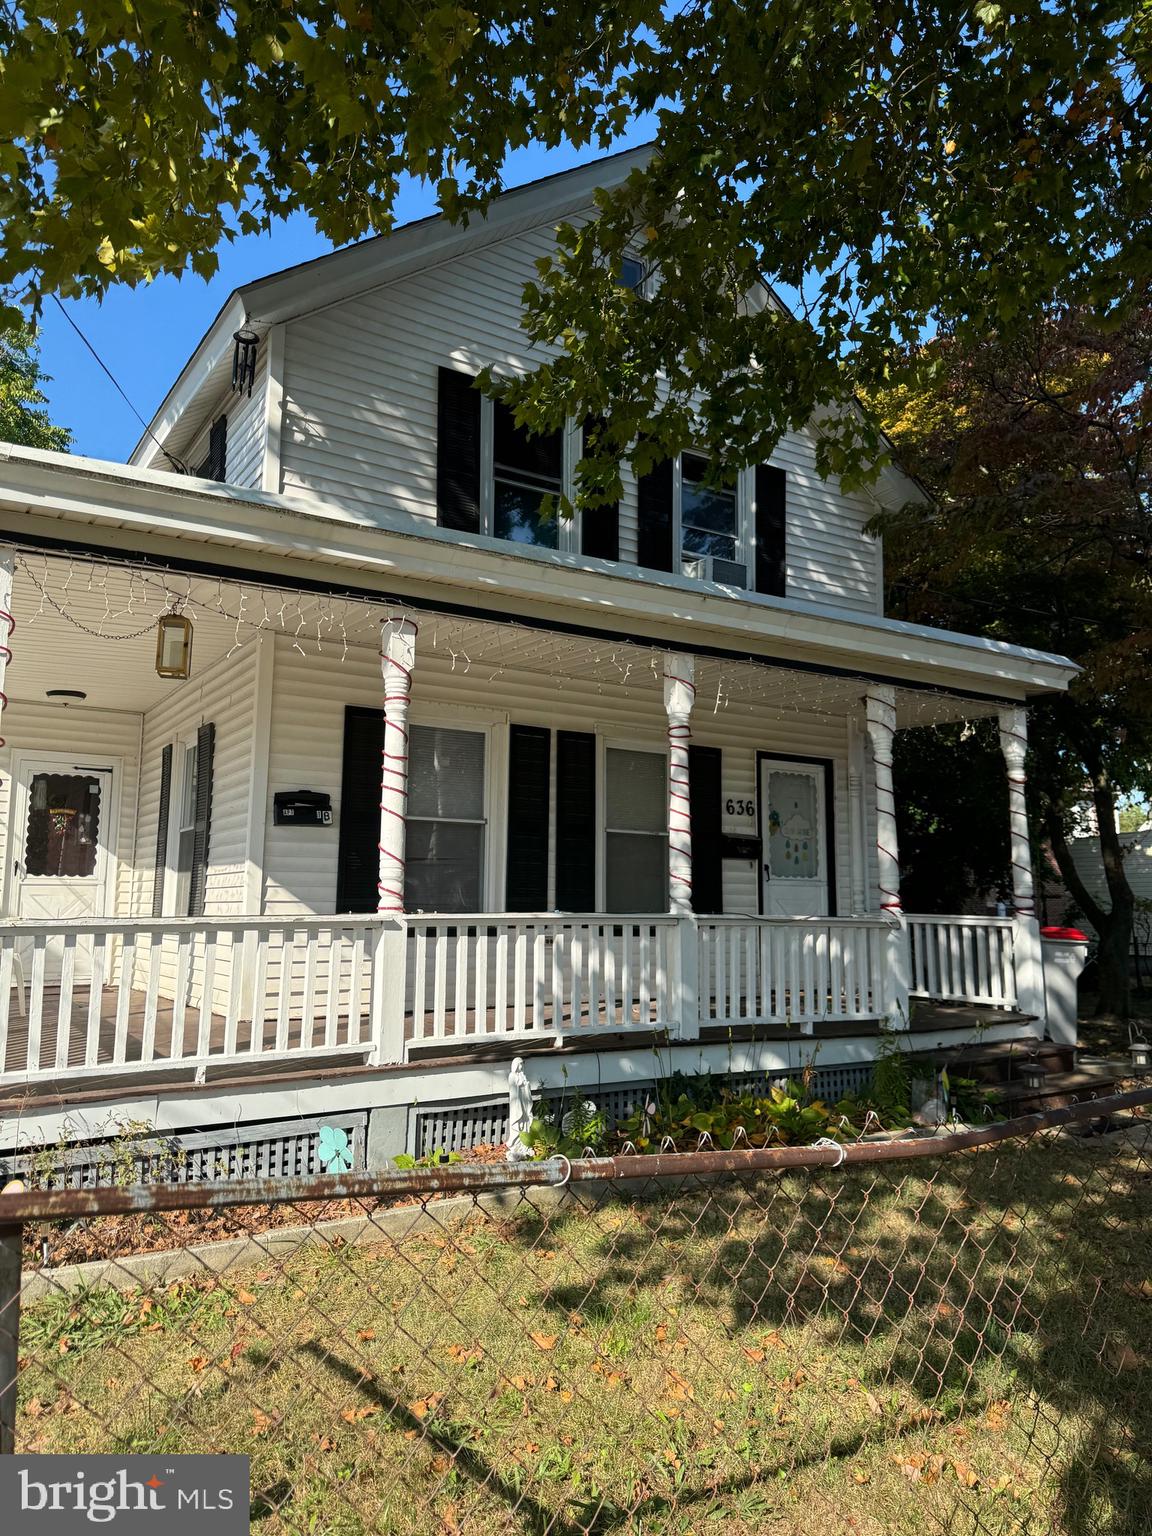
(460, 1127)
(280, 1149)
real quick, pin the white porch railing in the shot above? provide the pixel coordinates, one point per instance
(135, 995)
(483, 975)
(963, 959)
(791, 970)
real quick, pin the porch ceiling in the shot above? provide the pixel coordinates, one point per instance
(91, 625)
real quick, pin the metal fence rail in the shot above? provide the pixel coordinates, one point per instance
(946, 1334)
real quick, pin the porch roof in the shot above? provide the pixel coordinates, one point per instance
(90, 625)
(237, 536)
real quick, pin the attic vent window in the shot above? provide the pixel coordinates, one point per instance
(244, 361)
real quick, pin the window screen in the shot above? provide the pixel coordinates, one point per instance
(526, 469)
(707, 513)
(636, 821)
(445, 838)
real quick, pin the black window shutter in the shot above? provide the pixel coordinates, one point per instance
(162, 832)
(771, 530)
(654, 492)
(198, 885)
(458, 452)
(215, 466)
(575, 821)
(357, 859)
(529, 772)
(600, 526)
(704, 765)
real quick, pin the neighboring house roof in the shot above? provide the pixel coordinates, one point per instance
(382, 259)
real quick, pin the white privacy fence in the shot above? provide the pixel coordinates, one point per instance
(963, 959)
(791, 970)
(126, 996)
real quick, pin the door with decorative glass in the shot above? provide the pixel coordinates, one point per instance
(60, 856)
(793, 825)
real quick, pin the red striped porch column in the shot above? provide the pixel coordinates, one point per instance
(397, 659)
(679, 695)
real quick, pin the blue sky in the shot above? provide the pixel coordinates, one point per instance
(146, 334)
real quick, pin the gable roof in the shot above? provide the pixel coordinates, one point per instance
(370, 263)
(381, 259)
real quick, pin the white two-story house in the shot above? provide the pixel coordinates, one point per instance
(334, 775)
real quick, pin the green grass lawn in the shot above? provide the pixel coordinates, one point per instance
(955, 1347)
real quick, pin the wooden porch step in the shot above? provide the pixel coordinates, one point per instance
(1002, 1061)
(1062, 1088)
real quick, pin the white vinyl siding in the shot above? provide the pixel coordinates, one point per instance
(225, 696)
(307, 730)
(360, 387)
(96, 737)
(246, 431)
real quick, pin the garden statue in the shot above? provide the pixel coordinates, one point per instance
(520, 1112)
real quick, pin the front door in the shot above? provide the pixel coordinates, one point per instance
(61, 862)
(793, 824)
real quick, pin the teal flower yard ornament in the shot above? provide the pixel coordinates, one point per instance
(334, 1152)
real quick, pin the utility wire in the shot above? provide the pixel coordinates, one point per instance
(171, 457)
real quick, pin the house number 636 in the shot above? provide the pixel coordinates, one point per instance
(739, 808)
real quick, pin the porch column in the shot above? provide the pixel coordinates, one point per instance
(389, 961)
(397, 658)
(679, 695)
(7, 567)
(1026, 951)
(880, 714)
(880, 723)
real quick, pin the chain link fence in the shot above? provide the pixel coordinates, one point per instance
(941, 1335)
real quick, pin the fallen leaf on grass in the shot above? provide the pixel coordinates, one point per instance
(1143, 1291)
(1123, 1357)
(198, 1362)
(365, 1334)
(354, 1415)
(245, 1298)
(544, 1341)
(996, 1419)
(263, 1422)
(423, 1406)
(965, 1474)
(755, 1355)
(860, 1476)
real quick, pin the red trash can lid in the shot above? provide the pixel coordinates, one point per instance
(1072, 934)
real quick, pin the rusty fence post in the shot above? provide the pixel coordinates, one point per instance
(11, 1236)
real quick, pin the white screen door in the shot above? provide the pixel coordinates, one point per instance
(793, 825)
(61, 855)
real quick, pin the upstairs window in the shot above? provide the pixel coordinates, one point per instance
(709, 520)
(632, 274)
(526, 469)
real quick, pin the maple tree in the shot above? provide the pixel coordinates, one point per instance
(23, 418)
(891, 165)
(1038, 449)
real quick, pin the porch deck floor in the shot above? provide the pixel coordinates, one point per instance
(72, 1061)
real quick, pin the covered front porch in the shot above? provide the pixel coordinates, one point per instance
(613, 841)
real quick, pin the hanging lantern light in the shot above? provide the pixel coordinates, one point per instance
(174, 646)
(244, 360)
(1141, 1053)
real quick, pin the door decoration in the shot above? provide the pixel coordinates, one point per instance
(792, 834)
(63, 826)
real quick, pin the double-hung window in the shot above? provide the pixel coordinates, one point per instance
(526, 471)
(709, 515)
(446, 824)
(636, 830)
